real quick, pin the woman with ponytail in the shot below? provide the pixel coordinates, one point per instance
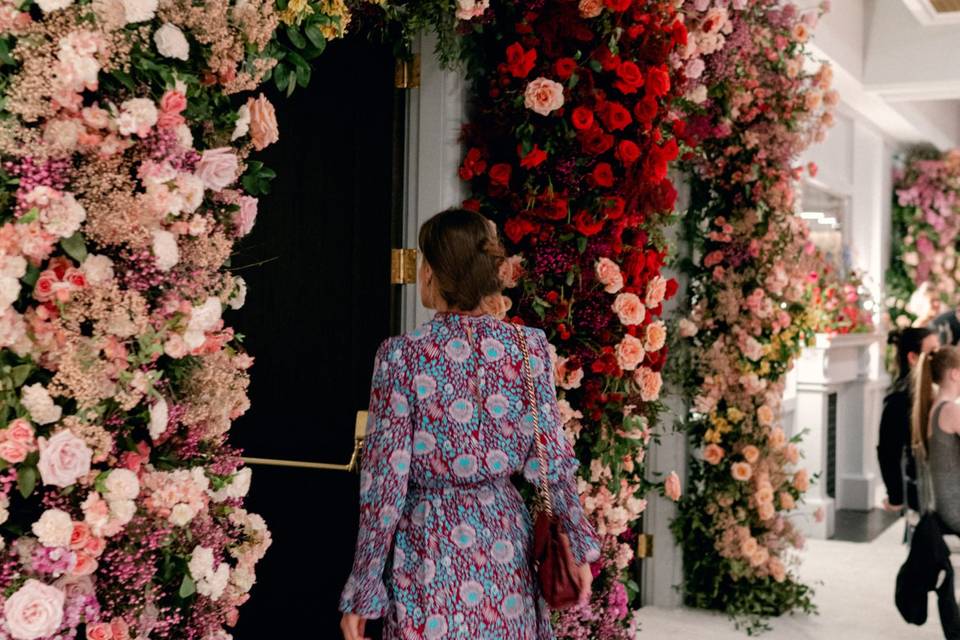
(935, 434)
(895, 420)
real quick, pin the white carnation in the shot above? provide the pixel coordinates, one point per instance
(137, 115)
(243, 579)
(159, 417)
(171, 42)
(53, 5)
(15, 266)
(63, 217)
(165, 249)
(39, 404)
(201, 562)
(239, 294)
(62, 135)
(54, 528)
(191, 189)
(184, 136)
(139, 10)
(181, 514)
(243, 123)
(9, 291)
(97, 269)
(122, 484)
(215, 583)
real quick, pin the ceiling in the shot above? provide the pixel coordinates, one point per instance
(935, 12)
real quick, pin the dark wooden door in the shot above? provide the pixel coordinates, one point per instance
(319, 303)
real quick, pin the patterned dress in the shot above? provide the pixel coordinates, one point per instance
(449, 425)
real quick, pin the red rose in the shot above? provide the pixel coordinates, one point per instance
(608, 61)
(535, 158)
(664, 196)
(596, 141)
(672, 288)
(471, 204)
(618, 5)
(615, 116)
(628, 152)
(586, 225)
(658, 81)
(582, 118)
(646, 110)
(603, 175)
(631, 78)
(518, 228)
(565, 68)
(519, 62)
(552, 208)
(473, 165)
(613, 207)
(500, 174)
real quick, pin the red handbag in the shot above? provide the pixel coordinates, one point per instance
(553, 562)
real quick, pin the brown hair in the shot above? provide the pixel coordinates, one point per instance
(931, 369)
(465, 254)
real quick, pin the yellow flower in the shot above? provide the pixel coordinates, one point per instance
(764, 368)
(712, 436)
(336, 9)
(734, 415)
(295, 12)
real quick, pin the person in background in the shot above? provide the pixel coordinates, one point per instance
(947, 326)
(895, 420)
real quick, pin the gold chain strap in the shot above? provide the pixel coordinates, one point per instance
(546, 503)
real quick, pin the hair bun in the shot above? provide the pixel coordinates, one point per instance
(893, 338)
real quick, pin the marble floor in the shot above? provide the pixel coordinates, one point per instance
(854, 592)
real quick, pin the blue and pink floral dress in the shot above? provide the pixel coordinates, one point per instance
(449, 425)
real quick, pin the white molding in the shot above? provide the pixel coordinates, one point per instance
(926, 15)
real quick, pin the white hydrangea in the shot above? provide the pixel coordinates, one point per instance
(39, 404)
(54, 528)
(171, 42)
(63, 217)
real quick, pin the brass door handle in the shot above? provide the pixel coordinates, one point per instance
(359, 433)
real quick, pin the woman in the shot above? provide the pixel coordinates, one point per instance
(936, 428)
(449, 425)
(895, 419)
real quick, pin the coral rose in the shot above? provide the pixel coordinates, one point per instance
(650, 383)
(630, 353)
(655, 337)
(671, 486)
(629, 309)
(801, 481)
(609, 275)
(590, 8)
(263, 122)
(750, 453)
(713, 454)
(765, 415)
(543, 96)
(741, 471)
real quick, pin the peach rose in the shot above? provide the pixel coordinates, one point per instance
(671, 486)
(787, 502)
(99, 631)
(764, 495)
(568, 377)
(713, 454)
(20, 430)
(13, 452)
(656, 337)
(263, 122)
(85, 565)
(792, 453)
(95, 546)
(650, 383)
(777, 570)
(749, 546)
(591, 8)
(759, 557)
(750, 453)
(765, 415)
(688, 329)
(64, 459)
(630, 353)
(609, 275)
(656, 292)
(34, 611)
(80, 536)
(777, 438)
(800, 32)
(801, 480)
(741, 471)
(543, 96)
(629, 308)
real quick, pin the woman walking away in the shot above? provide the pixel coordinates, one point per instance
(892, 446)
(450, 424)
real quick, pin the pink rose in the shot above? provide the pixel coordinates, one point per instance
(263, 122)
(470, 9)
(656, 336)
(630, 353)
(567, 377)
(741, 471)
(172, 105)
(510, 271)
(121, 631)
(85, 565)
(609, 275)
(80, 536)
(713, 454)
(246, 216)
(13, 452)
(34, 611)
(629, 308)
(64, 459)
(95, 546)
(590, 8)
(543, 96)
(20, 430)
(766, 511)
(99, 631)
(217, 168)
(650, 383)
(671, 486)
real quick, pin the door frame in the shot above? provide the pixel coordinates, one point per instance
(435, 114)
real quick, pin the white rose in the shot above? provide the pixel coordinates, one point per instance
(159, 417)
(242, 127)
(54, 528)
(139, 10)
(64, 459)
(239, 294)
(165, 249)
(39, 404)
(123, 510)
(9, 291)
(53, 5)
(34, 611)
(171, 42)
(122, 484)
(15, 266)
(180, 515)
(97, 269)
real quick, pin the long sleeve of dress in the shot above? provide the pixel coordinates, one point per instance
(894, 435)
(562, 463)
(383, 482)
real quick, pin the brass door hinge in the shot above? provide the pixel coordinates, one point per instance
(645, 545)
(403, 266)
(407, 73)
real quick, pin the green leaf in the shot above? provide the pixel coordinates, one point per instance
(280, 77)
(187, 587)
(75, 247)
(20, 373)
(303, 75)
(5, 56)
(31, 276)
(26, 480)
(596, 66)
(316, 37)
(123, 78)
(581, 244)
(296, 37)
(29, 216)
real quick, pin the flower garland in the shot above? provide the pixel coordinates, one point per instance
(125, 132)
(839, 305)
(568, 149)
(924, 267)
(754, 108)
